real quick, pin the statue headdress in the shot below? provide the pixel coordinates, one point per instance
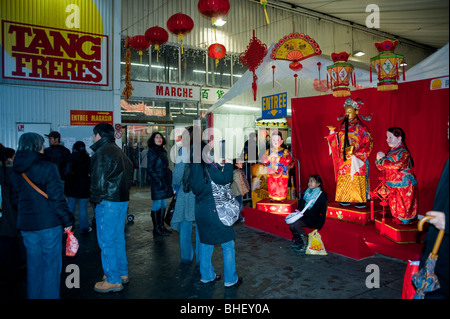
(356, 104)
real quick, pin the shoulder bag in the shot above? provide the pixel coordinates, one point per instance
(226, 204)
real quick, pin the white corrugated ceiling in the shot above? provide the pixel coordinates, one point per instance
(421, 21)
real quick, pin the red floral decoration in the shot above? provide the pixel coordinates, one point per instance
(139, 43)
(253, 57)
(217, 51)
(214, 9)
(180, 24)
(157, 36)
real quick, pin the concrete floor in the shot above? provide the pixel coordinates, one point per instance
(270, 269)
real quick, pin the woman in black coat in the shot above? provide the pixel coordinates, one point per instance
(211, 231)
(78, 182)
(41, 220)
(159, 176)
(314, 215)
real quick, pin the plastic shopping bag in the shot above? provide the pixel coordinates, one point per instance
(408, 290)
(315, 244)
(71, 244)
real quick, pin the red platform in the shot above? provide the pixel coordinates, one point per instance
(285, 207)
(350, 213)
(344, 238)
(401, 234)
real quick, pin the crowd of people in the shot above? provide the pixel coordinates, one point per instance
(41, 188)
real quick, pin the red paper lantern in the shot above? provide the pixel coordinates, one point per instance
(139, 43)
(214, 9)
(217, 51)
(156, 36)
(180, 24)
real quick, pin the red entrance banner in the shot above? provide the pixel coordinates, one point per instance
(90, 117)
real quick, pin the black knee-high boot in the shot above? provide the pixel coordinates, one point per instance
(156, 224)
(161, 220)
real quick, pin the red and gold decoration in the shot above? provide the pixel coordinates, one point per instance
(341, 73)
(295, 47)
(157, 36)
(180, 24)
(253, 57)
(264, 4)
(127, 91)
(139, 43)
(386, 64)
(217, 51)
(214, 9)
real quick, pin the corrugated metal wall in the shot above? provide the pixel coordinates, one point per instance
(37, 102)
(244, 17)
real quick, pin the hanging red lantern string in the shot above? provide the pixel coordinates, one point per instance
(180, 24)
(157, 36)
(217, 51)
(139, 43)
(214, 9)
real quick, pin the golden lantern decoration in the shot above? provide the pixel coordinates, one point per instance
(340, 73)
(386, 64)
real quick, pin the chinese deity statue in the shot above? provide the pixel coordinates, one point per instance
(350, 147)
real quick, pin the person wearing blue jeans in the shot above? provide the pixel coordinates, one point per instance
(110, 219)
(82, 210)
(229, 264)
(186, 247)
(199, 175)
(183, 217)
(41, 216)
(111, 177)
(44, 262)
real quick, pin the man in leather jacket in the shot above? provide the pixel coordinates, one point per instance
(111, 176)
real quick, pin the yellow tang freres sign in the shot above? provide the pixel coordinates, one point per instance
(54, 40)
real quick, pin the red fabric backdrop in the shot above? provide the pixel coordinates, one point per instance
(423, 114)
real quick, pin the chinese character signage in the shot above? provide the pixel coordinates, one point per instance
(212, 95)
(274, 106)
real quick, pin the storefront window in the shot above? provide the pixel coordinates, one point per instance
(139, 69)
(220, 74)
(193, 67)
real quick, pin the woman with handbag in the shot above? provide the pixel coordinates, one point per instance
(40, 219)
(159, 176)
(198, 177)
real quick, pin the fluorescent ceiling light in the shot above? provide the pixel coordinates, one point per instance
(219, 22)
(242, 107)
(403, 63)
(358, 53)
